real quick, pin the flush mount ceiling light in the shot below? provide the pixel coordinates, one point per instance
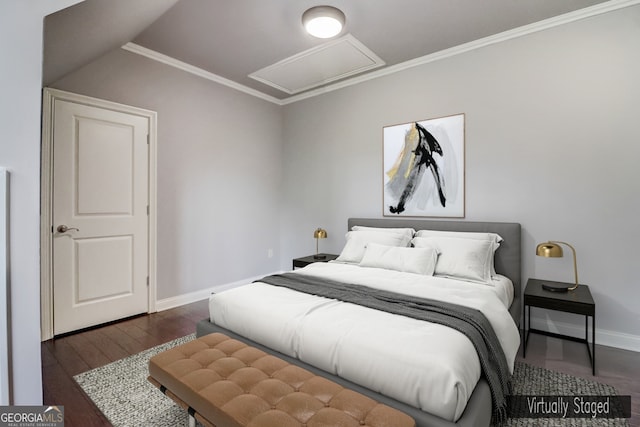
(323, 21)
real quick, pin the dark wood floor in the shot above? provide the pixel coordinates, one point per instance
(63, 358)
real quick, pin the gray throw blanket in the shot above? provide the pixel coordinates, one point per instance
(472, 323)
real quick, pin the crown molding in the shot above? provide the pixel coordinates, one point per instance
(476, 44)
(556, 21)
(176, 63)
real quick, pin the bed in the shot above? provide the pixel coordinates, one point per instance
(424, 369)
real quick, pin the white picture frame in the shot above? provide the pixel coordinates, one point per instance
(423, 168)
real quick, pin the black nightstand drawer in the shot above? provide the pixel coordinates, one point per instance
(560, 305)
(578, 301)
(304, 261)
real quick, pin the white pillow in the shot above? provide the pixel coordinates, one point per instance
(357, 240)
(465, 259)
(411, 260)
(491, 237)
(461, 235)
(404, 231)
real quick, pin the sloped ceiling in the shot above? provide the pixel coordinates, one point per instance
(235, 38)
(82, 33)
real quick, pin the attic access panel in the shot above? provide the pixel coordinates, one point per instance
(319, 65)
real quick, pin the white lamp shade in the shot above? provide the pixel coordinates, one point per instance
(323, 21)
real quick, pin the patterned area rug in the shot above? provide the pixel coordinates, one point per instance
(531, 380)
(123, 394)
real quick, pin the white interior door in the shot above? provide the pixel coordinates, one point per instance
(100, 215)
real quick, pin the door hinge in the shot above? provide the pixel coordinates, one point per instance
(148, 138)
(147, 209)
(147, 280)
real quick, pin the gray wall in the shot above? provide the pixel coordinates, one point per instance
(20, 107)
(551, 142)
(219, 169)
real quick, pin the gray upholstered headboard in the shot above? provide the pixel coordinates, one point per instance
(507, 257)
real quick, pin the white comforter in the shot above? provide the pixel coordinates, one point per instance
(426, 365)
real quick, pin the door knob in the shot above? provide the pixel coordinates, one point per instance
(63, 228)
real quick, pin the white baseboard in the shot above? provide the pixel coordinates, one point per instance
(603, 336)
(177, 301)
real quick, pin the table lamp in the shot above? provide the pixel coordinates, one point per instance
(552, 249)
(319, 234)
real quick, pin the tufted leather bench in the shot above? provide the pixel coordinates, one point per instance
(226, 383)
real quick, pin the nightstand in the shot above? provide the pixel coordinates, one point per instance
(304, 261)
(578, 301)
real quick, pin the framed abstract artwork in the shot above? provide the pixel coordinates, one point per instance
(423, 168)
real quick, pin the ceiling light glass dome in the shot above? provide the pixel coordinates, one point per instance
(323, 21)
